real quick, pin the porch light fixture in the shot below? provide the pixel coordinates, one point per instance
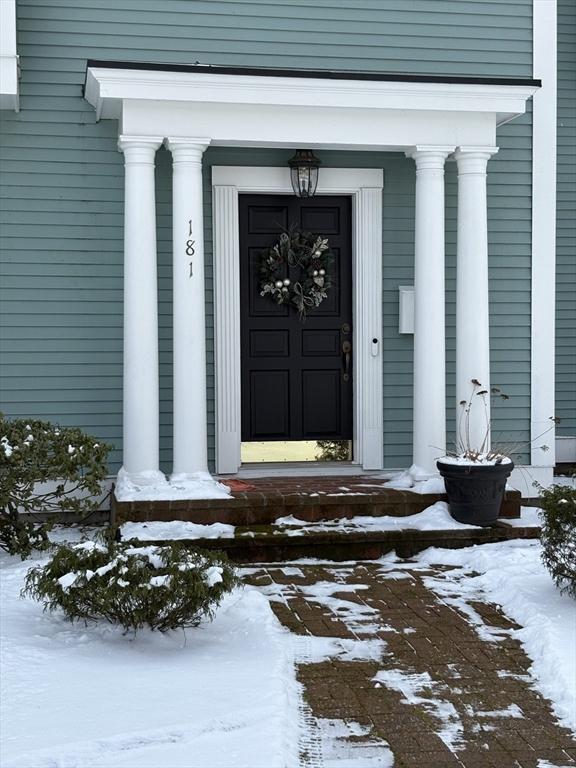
(304, 167)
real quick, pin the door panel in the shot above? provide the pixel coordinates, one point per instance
(270, 415)
(294, 385)
(321, 406)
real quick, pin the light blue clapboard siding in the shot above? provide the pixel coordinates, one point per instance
(566, 221)
(62, 187)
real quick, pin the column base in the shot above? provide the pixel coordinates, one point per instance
(153, 486)
(128, 481)
(420, 474)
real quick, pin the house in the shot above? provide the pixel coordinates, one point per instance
(145, 171)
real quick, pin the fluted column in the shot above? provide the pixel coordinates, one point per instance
(429, 415)
(472, 308)
(189, 331)
(227, 327)
(141, 384)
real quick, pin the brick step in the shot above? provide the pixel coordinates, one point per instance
(266, 546)
(265, 506)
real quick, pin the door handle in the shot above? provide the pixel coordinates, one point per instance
(346, 350)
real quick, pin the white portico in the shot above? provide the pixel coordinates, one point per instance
(189, 108)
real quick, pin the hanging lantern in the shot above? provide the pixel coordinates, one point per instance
(304, 173)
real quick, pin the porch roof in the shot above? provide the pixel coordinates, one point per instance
(258, 107)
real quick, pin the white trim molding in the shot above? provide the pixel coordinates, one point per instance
(542, 384)
(365, 187)
(9, 97)
(253, 110)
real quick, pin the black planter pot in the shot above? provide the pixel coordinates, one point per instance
(475, 491)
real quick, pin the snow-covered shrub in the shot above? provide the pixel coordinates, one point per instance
(559, 535)
(162, 587)
(33, 453)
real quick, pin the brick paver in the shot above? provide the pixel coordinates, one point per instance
(435, 668)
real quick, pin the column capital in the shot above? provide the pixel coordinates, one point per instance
(430, 157)
(186, 149)
(139, 149)
(473, 159)
(430, 153)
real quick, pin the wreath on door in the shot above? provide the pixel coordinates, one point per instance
(311, 255)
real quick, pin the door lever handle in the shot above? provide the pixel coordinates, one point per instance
(346, 350)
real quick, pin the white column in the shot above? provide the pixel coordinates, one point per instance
(472, 309)
(544, 140)
(189, 332)
(429, 415)
(141, 398)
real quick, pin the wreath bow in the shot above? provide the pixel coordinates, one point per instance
(301, 300)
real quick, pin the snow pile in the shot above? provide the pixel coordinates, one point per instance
(175, 530)
(512, 576)
(410, 480)
(434, 518)
(221, 696)
(200, 485)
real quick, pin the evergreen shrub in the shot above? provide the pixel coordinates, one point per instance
(161, 587)
(559, 535)
(45, 469)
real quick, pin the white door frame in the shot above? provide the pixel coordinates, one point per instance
(364, 185)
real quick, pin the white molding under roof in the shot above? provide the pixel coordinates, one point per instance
(8, 56)
(388, 111)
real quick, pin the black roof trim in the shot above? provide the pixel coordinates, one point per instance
(385, 77)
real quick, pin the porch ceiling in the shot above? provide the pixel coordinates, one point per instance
(339, 110)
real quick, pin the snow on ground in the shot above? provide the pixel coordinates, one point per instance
(412, 686)
(336, 743)
(223, 695)
(358, 617)
(200, 485)
(511, 575)
(342, 745)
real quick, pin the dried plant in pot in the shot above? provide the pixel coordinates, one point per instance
(475, 474)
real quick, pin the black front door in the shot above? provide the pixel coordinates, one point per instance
(296, 376)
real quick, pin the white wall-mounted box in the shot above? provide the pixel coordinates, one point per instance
(406, 309)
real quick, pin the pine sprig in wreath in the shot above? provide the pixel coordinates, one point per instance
(311, 253)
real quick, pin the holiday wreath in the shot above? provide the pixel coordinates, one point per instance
(311, 254)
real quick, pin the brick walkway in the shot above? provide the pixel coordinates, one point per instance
(388, 661)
